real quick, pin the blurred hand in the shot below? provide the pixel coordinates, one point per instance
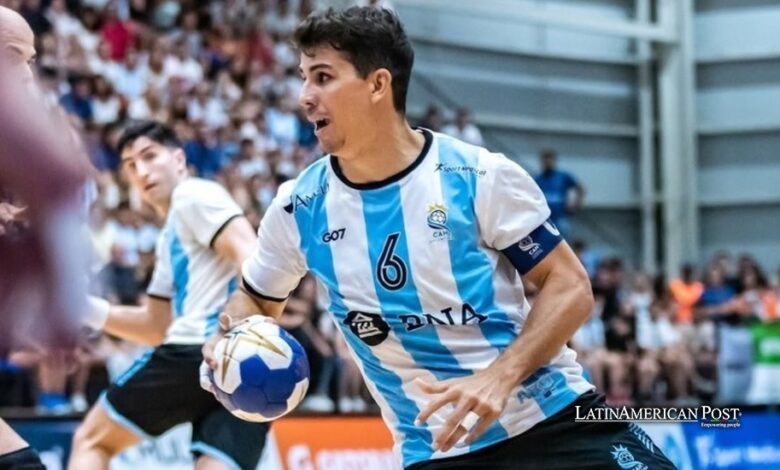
(9, 214)
(484, 393)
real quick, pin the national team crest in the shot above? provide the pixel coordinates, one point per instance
(437, 220)
(626, 460)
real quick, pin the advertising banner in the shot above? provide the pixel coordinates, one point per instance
(765, 383)
(755, 445)
(295, 443)
(334, 443)
(354, 443)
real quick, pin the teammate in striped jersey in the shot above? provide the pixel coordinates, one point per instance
(420, 241)
(198, 256)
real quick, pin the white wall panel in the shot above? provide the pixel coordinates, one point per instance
(739, 169)
(751, 230)
(736, 28)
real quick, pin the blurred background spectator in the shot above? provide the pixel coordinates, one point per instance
(557, 186)
(463, 128)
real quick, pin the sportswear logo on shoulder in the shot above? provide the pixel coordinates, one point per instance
(459, 169)
(303, 200)
(626, 460)
(371, 328)
(437, 220)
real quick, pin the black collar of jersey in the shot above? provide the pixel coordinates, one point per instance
(334, 163)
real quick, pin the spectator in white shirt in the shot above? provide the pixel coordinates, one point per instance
(189, 33)
(283, 125)
(125, 256)
(281, 20)
(463, 128)
(102, 64)
(157, 78)
(284, 54)
(148, 106)
(227, 89)
(204, 107)
(180, 66)
(250, 161)
(131, 77)
(64, 23)
(106, 104)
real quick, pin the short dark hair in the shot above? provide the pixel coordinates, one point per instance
(370, 38)
(152, 130)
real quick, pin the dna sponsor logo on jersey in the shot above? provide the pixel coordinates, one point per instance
(467, 316)
(371, 328)
(437, 220)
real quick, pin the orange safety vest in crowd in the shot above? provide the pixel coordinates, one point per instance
(769, 300)
(686, 296)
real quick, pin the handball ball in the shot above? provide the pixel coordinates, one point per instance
(262, 372)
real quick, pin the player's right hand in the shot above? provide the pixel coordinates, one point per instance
(225, 325)
(209, 362)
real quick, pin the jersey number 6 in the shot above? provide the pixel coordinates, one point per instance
(391, 269)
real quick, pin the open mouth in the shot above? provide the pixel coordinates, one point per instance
(321, 124)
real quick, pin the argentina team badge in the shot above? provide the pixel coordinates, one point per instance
(437, 221)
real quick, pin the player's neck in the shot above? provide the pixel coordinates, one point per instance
(162, 208)
(388, 153)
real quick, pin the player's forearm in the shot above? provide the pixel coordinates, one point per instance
(243, 305)
(562, 306)
(136, 324)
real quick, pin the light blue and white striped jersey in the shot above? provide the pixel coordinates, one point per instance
(416, 279)
(188, 271)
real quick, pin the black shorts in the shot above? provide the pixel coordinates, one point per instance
(162, 389)
(560, 443)
(22, 459)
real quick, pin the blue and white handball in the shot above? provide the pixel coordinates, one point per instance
(262, 372)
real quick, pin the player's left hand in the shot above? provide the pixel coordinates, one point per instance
(483, 395)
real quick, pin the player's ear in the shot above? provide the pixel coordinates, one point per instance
(380, 82)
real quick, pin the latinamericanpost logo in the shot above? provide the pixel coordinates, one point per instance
(706, 416)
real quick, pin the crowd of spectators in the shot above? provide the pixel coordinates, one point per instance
(685, 341)
(224, 76)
